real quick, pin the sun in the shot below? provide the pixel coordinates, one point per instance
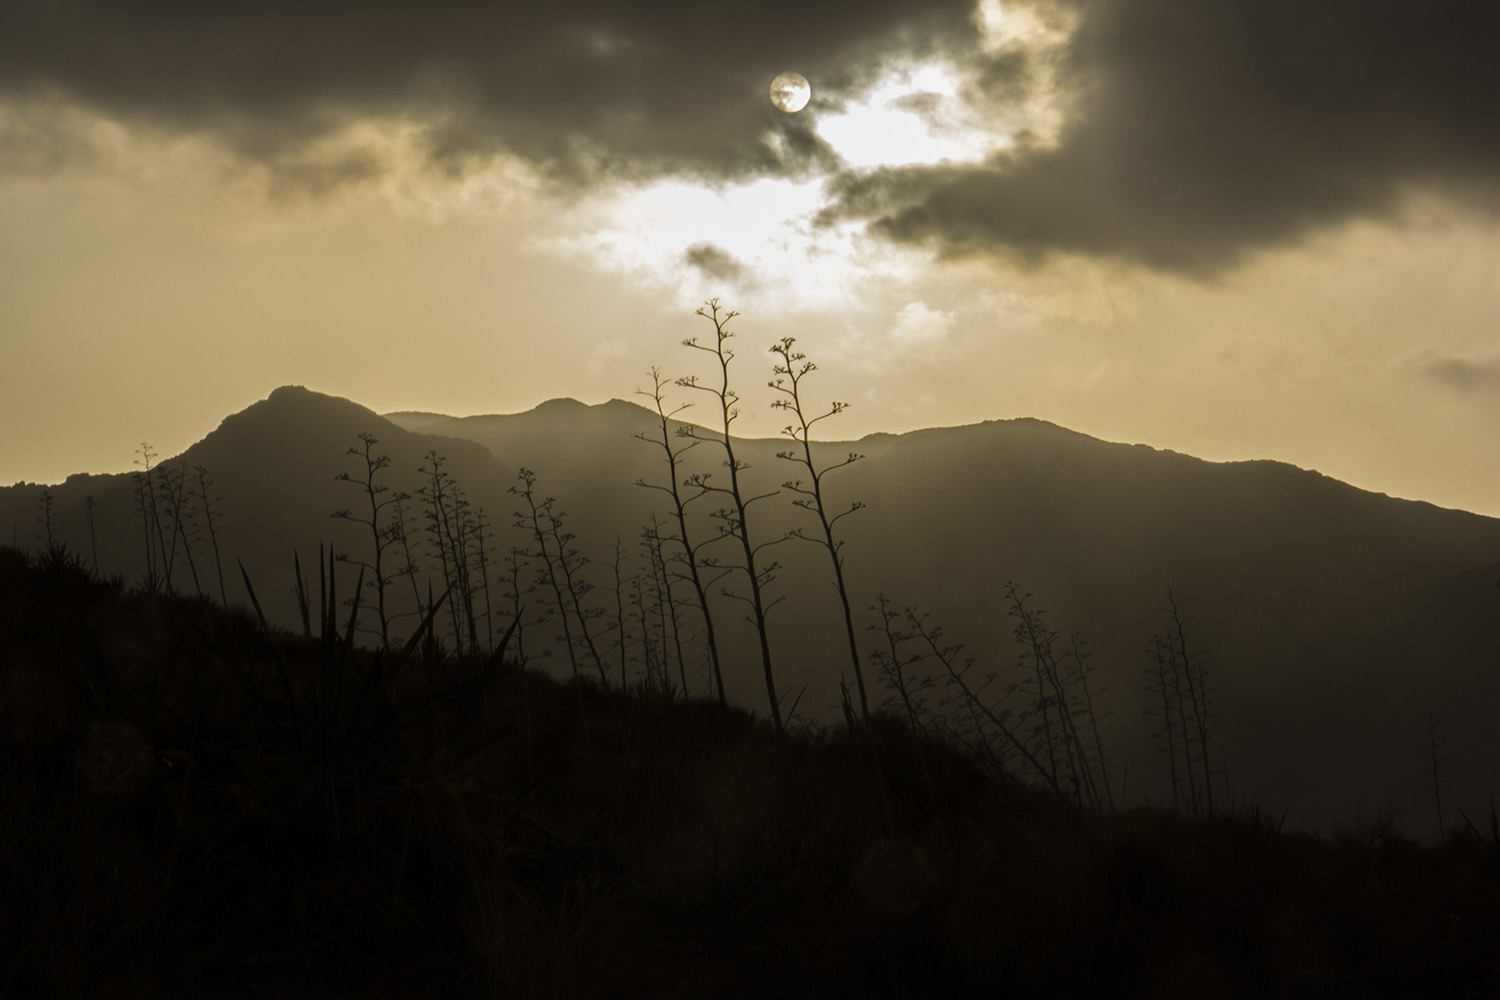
(790, 92)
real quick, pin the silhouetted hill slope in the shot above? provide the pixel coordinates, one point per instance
(1328, 616)
(180, 822)
(272, 465)
(1079, 508)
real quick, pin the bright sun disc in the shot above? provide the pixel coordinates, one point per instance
(790, 92)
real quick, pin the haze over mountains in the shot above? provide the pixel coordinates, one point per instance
(1331, 619)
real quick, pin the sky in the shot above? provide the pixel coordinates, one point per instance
(1240, 229)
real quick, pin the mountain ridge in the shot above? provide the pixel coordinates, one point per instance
(1296, 579)
(424, 421)
(410, 419)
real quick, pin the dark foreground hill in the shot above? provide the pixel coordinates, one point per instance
(1329, 619)
(192, 805)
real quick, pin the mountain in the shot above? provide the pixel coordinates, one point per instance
(1330, 619)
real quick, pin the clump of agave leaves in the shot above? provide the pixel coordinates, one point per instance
(1488, 840)
(319, 823)
(338, 713)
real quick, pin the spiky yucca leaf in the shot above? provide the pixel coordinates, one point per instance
(281, 669)
(1489, 841)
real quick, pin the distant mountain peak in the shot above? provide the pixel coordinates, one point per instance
(291, 409)
(301, 397)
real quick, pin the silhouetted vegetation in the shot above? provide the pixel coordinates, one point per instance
(1180, 679)
(1041, 728)
(560, 565)
(685, 556)
(376, 519)
(734, 517)
(1432, 751)
(44, 519)
(210, 523)
(789, 372)
(194, 801)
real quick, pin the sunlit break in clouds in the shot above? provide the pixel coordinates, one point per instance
(764, 236)
(759, 240)
(914, 115)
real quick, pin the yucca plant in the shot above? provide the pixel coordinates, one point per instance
(1488, 840)
(322, 815)
(343, 709)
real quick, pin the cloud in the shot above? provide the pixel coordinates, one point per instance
(585, 87)
(41, 137)
(715, 262)
(918, 326)
(918, 334)
(1202, 132)
(320, 177)
(1463, 375)
(1178, 134)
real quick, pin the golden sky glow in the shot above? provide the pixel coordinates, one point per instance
(155, 278)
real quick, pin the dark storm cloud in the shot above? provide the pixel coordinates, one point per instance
(1209, 128)
(586, 86)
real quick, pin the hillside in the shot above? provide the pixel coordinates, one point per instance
(197, 806)
(1330, 618)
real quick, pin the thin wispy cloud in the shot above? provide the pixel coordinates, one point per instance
(1466, 375)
